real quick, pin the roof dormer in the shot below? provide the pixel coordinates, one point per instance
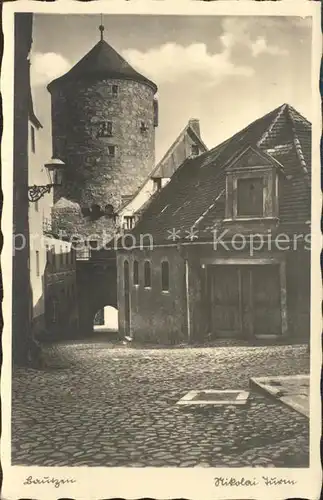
(252, 186)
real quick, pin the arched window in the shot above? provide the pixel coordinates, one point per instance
(147, 274)
(165, 276)
(135, 273)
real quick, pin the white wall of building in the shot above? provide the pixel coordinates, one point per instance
(145, 193)
(38, 211)
(40, 214)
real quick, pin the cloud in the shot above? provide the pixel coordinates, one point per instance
(172, 62)
(260, 46)
(46, 67)
(245, 33)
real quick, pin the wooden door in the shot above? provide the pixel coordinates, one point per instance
(244, 301)
(223, 288)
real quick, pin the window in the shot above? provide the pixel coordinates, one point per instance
(37, 264)
(250, 197)
(135, 273)
(195, 150)
(93, 244)
(165, 276)
(109, 210)
(111, 151)
(32, 139)
(129, 222)
(105, 129)
(157, 184)
(147, 274)
(115, 90)
(143, 127)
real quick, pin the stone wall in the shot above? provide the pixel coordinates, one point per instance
(93, 177)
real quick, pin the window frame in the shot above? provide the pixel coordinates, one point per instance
(157, 184)
(147, 283)
(126, 220)
(192, 150)
(135, 273)
(108, 124)
(251, 179)
(162, 266)
(37, 263)
(112, 155)
(113, 87)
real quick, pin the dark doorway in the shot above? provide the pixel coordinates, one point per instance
(244, 301)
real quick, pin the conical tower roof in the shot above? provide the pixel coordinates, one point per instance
(101, 62)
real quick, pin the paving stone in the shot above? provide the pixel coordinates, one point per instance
(123, 413)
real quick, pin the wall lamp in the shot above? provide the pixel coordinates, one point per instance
(55, 170)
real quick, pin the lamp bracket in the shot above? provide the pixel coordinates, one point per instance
(37, 192)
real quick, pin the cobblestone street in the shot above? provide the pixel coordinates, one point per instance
(113, 405)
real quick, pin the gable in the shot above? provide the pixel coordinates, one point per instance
(252, 158)
(179, 151)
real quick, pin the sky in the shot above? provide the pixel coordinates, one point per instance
(227, 71)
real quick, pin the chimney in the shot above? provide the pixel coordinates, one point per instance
(195, 125)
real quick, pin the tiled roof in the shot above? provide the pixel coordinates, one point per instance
(102, 62)
(195, 196)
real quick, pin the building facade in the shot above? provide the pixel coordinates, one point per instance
(229, 253)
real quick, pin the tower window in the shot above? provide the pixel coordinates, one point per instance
(147, 274)
(165, 276)
(135, 273)
(195, 150)
(105, 129)
(109, 210)
(32, 139)
(111, 151)
(143, 127)
(115, 90)
(37, 264)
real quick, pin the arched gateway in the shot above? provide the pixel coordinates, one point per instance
(96, 286)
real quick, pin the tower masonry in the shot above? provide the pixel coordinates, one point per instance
(104, 115)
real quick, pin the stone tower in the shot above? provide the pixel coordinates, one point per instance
(104, 115)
